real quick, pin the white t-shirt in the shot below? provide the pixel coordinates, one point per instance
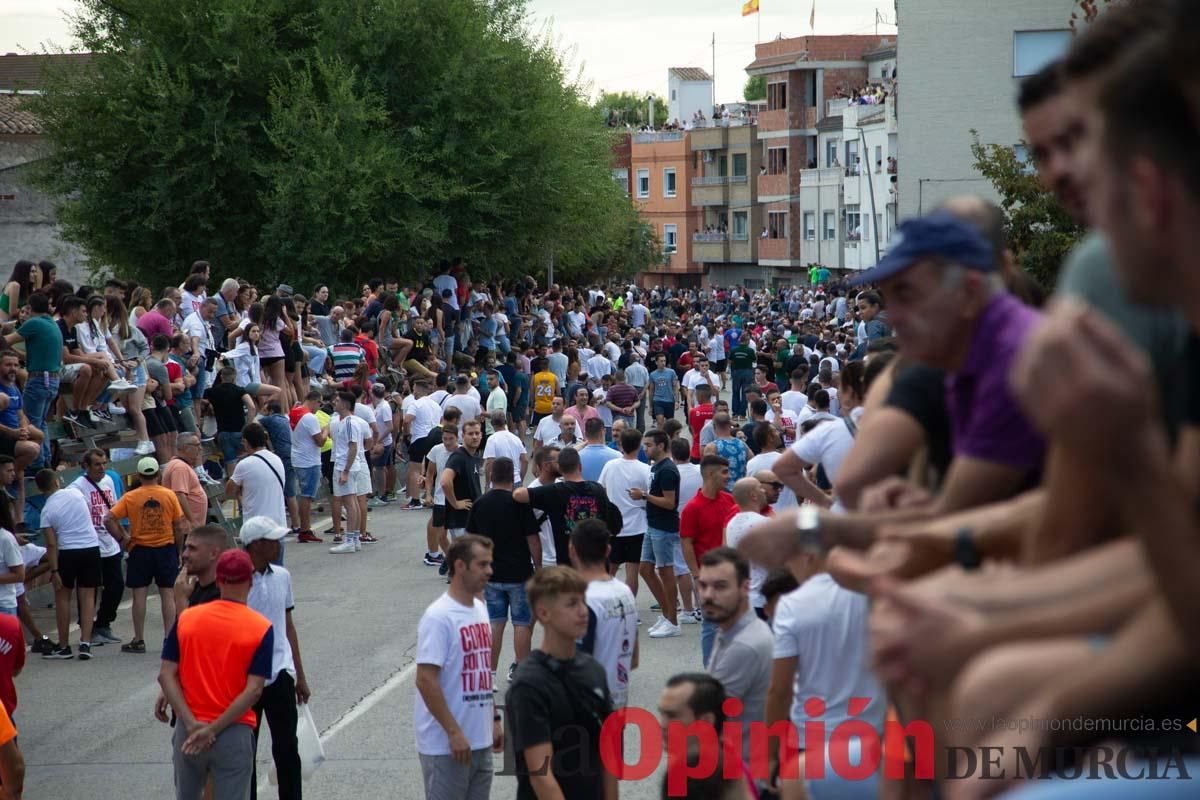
(10, 559)
(716, 348)
(261, 477)
(439, 396)
(612, 633)
(189, 302)
(497, 401)
(194, 326)
(383, 419)
(506, 444)
(548, 429)
(458, 640)
(32, 555)
(366, 413)
(598, 366)
(67, 512)
(834, 406)
(787, 498)
(693, 378)
(737, 527)
(468, 405)
(271, 596)
(618, 477)
(827, 445)
(439, 455)
(787, 421)
(444, 282)
(426, 415)
(98, 508)
(345, 431)
(794, 401)
(305, 452)
(545, 532)
(690, 482)
(826, 627)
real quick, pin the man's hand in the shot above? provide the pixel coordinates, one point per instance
(463, 505)
(893, 493)
(161, 707)
(199, 741)
(460, 748)
(343, 477)
(497, 737)
(23, 433)
(302, 690)
(635, 493)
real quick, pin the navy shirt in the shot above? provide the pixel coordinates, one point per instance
(664, 477)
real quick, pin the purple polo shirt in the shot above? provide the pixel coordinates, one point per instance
(153, 322)
(986, 422)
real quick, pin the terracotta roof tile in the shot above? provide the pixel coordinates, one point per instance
(14, 119)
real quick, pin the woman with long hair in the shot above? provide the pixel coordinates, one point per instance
(320, 301)
(133, 351)
(294, 362)
(270, 350)
(249, 371)
(140, 301)
(244, 299)
(26, 278)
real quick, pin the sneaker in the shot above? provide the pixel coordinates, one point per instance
(85, 651)
(375, 502)
(43, 646)
(512, 668)
(444, 568)
(113, 408)
(367, 538)
(135, 646)
(655, 607)
(345, 547)
(61, 654)
(103, 636)
(79, 418)
(412, 505)
(658, 623)
(293, 532)
(309, 536)
(665, 630)
(99, 416)
(434, 559)
(121, 386)
(689, 618)
(144, 448)
(390, 497)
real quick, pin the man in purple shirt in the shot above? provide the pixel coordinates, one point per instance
(158, 319)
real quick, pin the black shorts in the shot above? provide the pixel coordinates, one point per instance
(293, 355)
(267, 361)
(80, 568)
(719, 366)
(626, 549)
(439, 515)
(157, 565)
(418, 449)
(159, 421)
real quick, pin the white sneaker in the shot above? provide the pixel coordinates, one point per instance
(665, 631)
(119, 386)
(689, 618)
(113, 408)
(345, 547)
(657, 623)
(144, 448)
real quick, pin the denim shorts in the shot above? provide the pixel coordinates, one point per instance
(505, 599)
(289, 480)
(664, 409)
(385, 458)
(660, 546)
(309, 479)
(681, 567)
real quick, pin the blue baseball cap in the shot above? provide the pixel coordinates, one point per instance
(938, 234)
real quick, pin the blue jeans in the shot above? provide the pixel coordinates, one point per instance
(12, 612)
(741, 379)
(506, 600)
(41, 389)
(316, 358)
(201, 382)
(229, 443)
(708, 635)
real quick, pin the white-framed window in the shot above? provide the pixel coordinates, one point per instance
(739, 165)
(1033, 50)
(643, 183)
(854, 227)
(810, 226)
(740, 224)
(831, 152)
(620, 177)
(669, 182)
(829, 226)
(670, 238)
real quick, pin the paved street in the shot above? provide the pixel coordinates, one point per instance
(87, 728)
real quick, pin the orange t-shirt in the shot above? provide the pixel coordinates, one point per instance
(151, 511)
(7, 731)
(179, 476)
(217, 645)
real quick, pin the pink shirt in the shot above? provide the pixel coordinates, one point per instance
(587, 414)
(153, 322)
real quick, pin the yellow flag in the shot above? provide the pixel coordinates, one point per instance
(749, 7)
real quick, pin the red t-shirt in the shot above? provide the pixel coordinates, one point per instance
(175, 373)
(12, 659)
(696, 419)
(371, 350)
(703, 521)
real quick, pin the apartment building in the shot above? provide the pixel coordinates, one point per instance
(726, 158)
(804, 74)
(960, 63)
(662, 166)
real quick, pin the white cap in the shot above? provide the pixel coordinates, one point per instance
(257, 528)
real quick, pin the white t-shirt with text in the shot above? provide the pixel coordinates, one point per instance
(458, 640)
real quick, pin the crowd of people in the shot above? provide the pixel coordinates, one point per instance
(916, 498)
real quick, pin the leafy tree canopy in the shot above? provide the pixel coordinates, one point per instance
(329, 141)
(756, 88)
(633, 108)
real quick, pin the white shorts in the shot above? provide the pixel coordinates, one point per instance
(359, 482)
(69, 373)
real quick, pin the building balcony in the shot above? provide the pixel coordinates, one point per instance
(782, 119)
(821, 177)
(743, 249)
(650, 137)
(773, 185)
(710, 248)
(774, 249)
(710, 194)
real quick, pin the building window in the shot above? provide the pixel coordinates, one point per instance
(776, 96)
(852, 164)
(854, 229)
(621, 178)
(878, 223)
(777, 161)
(643, 183)
(830, 226)
(739, 165)
(777, 225)
(810, 226)
(740, 224)
(831, 152)
(1033, 50)
(878, 158)
(674, 96)
(670, 238)
(669, 182)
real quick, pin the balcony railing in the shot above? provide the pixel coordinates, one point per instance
(740, 237)
(724, 122)
(710, 237)
(720, 180)
(650, 137)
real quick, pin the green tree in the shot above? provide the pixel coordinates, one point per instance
(327, 141)
(756, 88)
(631, 107)
(1039, 229)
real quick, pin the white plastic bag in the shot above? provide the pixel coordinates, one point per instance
(308, 743)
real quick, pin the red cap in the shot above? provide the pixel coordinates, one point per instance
(234, 566)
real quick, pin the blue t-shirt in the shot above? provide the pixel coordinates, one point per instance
(487, 333)
(521, 381)
(281, 435)
(664, 381)
(593, 458)
(10, 417)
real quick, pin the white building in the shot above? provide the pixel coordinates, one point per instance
(870, 142)
(960, 63)
(689, 89)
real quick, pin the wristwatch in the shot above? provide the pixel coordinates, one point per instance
(966, 552)
(808, 530)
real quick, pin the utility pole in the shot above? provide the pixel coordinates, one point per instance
(714, 72)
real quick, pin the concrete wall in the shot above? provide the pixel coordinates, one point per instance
(955, 73)
(690, 97)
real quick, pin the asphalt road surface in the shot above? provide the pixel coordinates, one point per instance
(87, 729)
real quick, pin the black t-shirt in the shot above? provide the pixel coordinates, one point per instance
(920, 391)
(568, 502)
(664, 477)
(202, 594)
(226, 400)
(674, 352)
(70, 337)
(420, 348)
(466, 484)
(317, 308)
(506, 522)
(564, 703)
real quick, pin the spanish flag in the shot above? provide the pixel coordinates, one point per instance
(749, 7)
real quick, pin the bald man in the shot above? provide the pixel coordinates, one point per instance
(751, 498)
(772, 487)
